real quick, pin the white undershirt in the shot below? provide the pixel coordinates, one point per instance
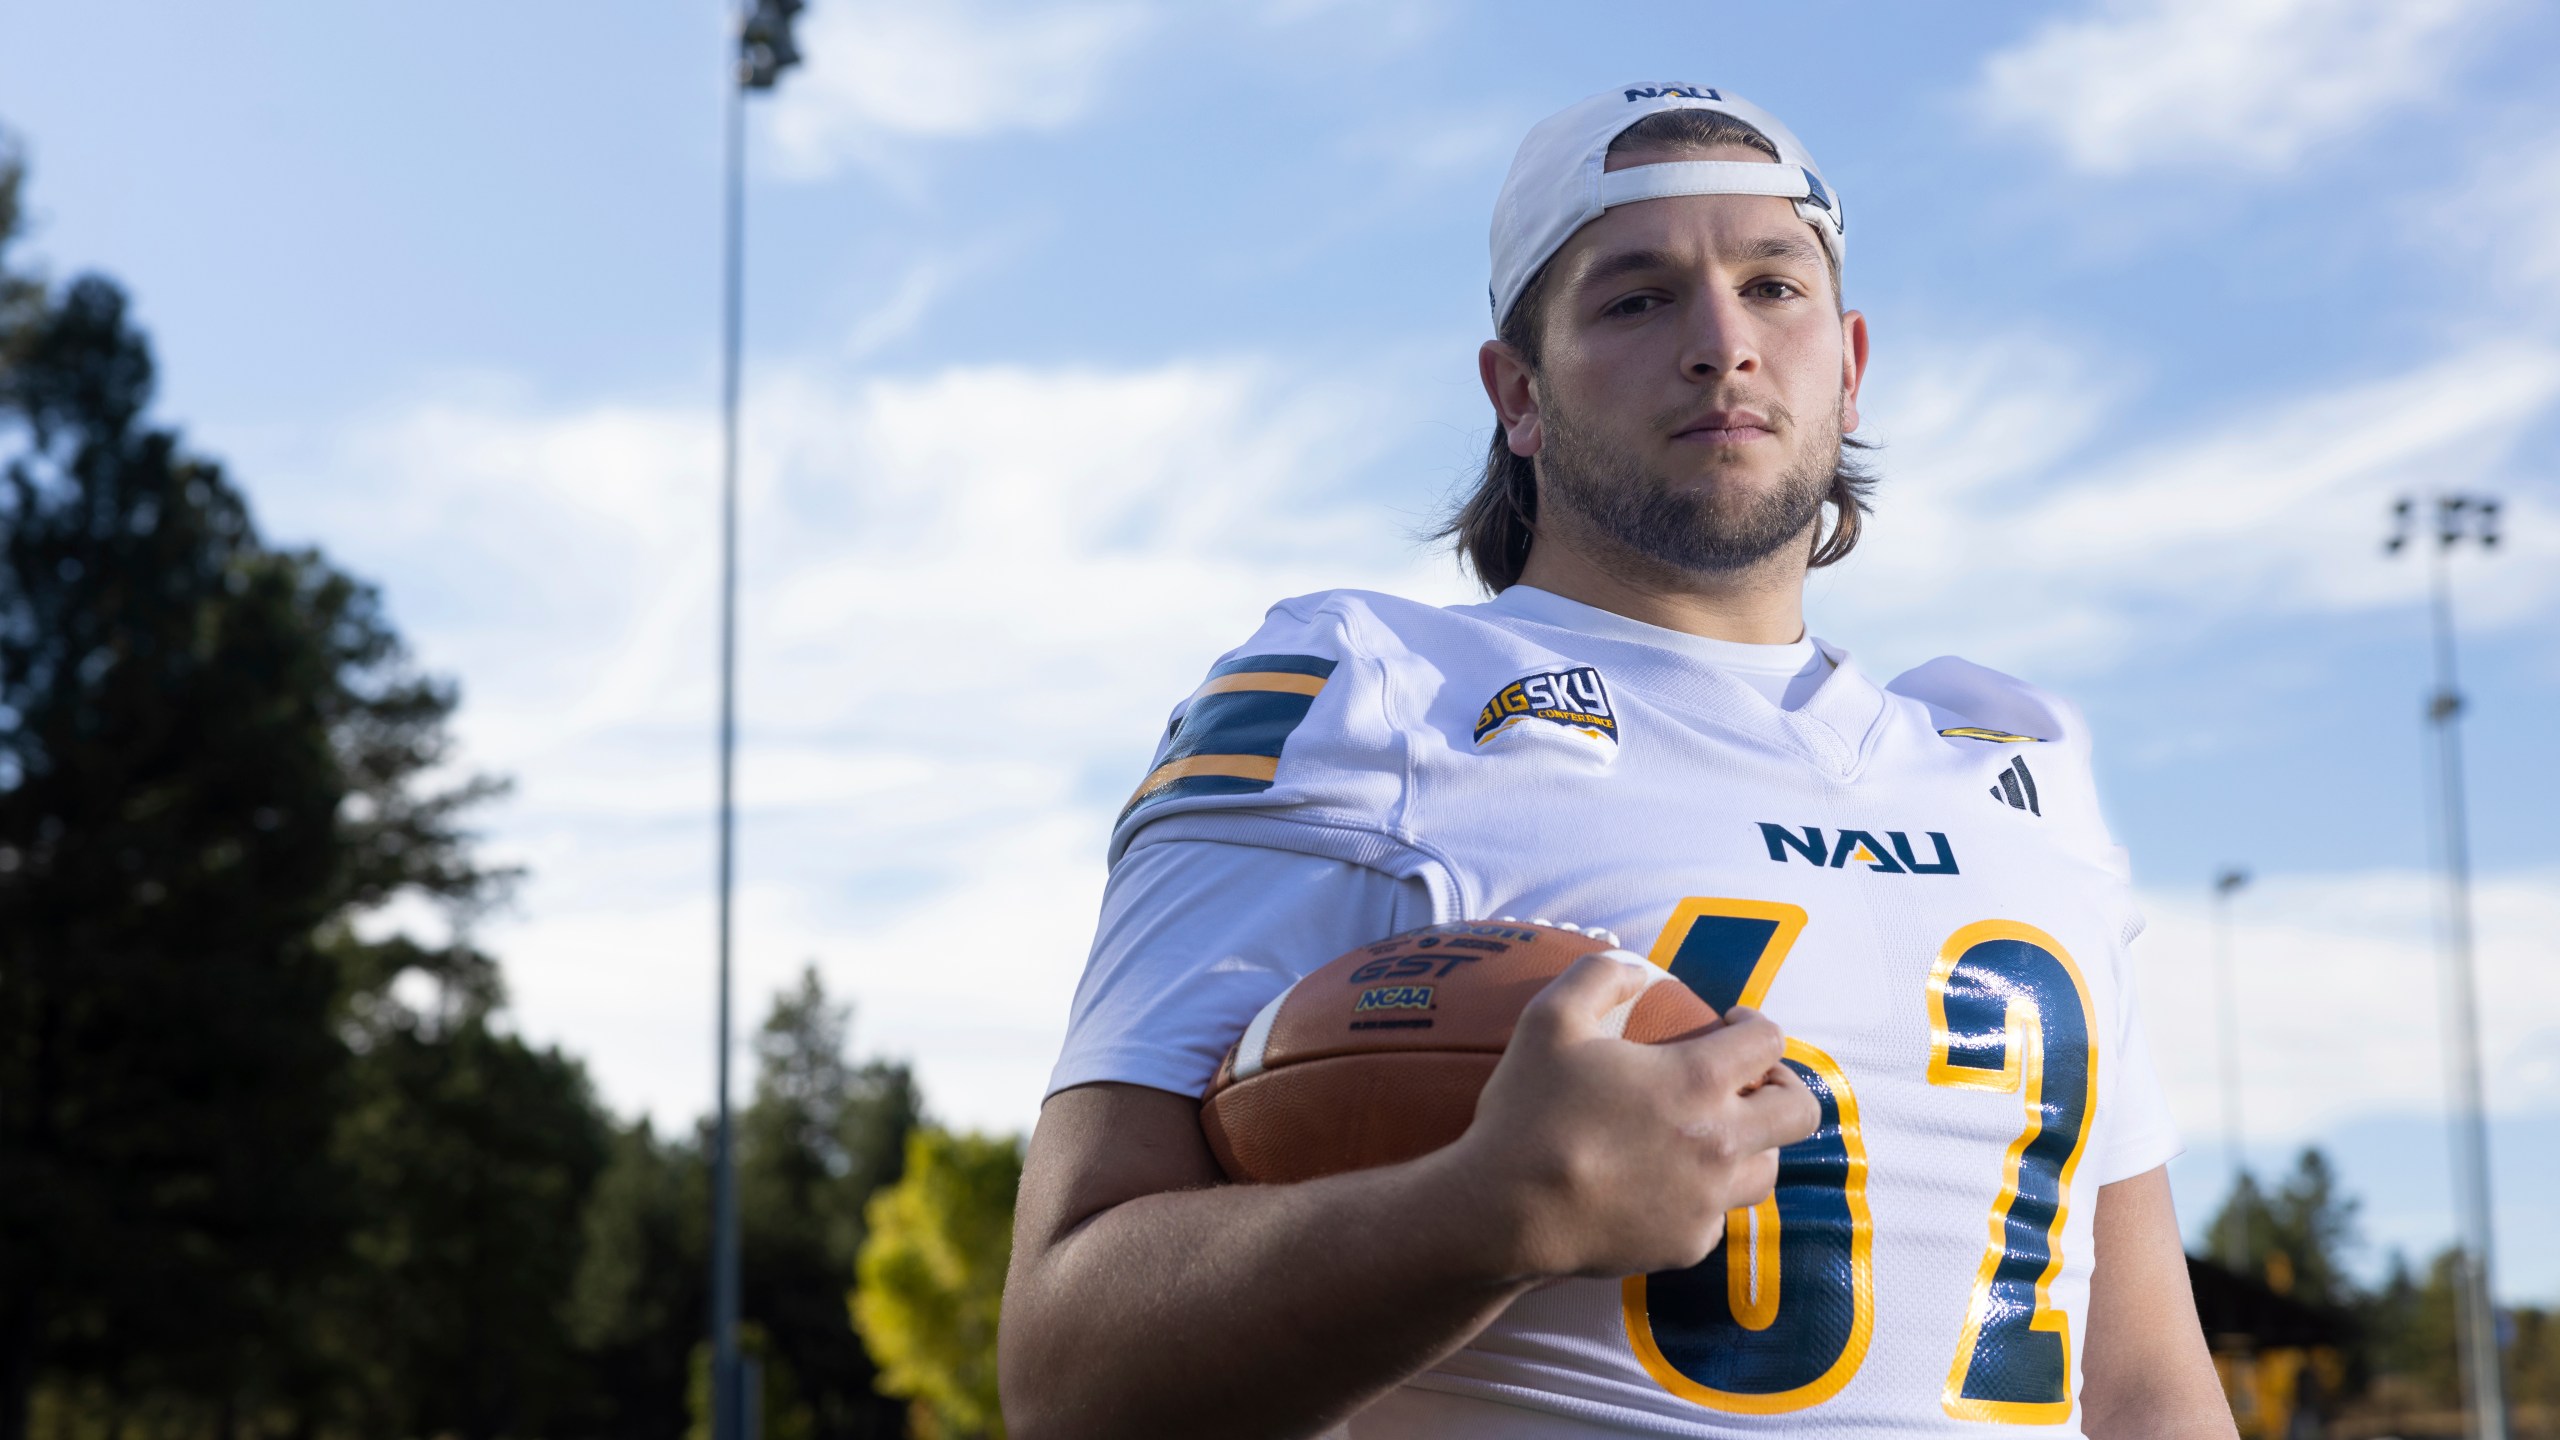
(1783, 674)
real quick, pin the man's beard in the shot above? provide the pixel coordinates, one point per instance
(1688, 529)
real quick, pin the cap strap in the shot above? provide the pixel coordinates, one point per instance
(1705, 177)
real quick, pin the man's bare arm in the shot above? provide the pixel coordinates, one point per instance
(1146, 1298)
(2149, 1373)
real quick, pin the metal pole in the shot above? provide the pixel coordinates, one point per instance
(2235, 1239)
(764, 50)
(2481, 1360)
(724, 1174)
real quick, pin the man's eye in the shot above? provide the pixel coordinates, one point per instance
(1773, 290)
(1633, 305)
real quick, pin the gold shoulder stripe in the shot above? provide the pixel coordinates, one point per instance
(1998, 737)
(1232, 767)
(1279, 681)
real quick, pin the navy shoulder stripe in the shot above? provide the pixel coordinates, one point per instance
(1315, 665)
(1228, 741)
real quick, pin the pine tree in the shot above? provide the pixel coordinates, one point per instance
(822, 1135)
(212, 754)
(2303, 1233)
(473, 1155)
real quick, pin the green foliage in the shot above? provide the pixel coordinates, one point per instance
(2410, 1324)
(2415, 1340)
(781, 1414)
(264, 1172)
(639, 1302)
(2533, 1361)
(820, 1136)
(472, 1155)
(932, 1279)
(2304, 1233)
(211, 753)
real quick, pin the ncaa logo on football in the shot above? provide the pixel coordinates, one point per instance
(1393, 997)
(1574, 699)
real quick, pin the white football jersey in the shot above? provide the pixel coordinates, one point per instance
(1912, 880)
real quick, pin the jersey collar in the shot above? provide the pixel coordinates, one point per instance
(1833, 728)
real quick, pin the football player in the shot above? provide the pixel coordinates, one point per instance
(1912, 1186)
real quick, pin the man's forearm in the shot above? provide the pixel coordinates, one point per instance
(1250, 1311)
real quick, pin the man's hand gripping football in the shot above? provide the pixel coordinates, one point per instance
(1622, 1159)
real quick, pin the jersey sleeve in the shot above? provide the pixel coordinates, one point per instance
(1293, 741)
(2136, 1132)
(1195, 937)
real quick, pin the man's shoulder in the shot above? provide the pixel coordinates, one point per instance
(1969, 701)
(1365, 618)
(1374, 640)
(2035, 750)
(1293, 723)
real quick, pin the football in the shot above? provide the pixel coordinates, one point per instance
(1378, 1056)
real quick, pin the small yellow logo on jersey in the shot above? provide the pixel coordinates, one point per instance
(1997, 737)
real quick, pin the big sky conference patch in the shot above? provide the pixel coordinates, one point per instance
(1575, 699)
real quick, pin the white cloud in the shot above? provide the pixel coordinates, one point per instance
(2337, 981)
(917, 291)
(2246, 84)
(1359, 29)
(2504, 217)
(878, 72)
(970, 597)
(1999, 536)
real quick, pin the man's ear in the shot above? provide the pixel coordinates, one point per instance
(1512, 386)
(1853, 366)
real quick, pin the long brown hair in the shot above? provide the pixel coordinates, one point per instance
(1494, 526)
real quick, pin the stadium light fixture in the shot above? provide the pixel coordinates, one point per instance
(765, 46)
(765, 49)
(2458, 518)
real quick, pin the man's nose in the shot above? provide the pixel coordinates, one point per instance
(1716, 337)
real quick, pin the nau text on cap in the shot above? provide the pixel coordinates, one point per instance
(1685, 92)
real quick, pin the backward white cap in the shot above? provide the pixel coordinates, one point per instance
(1559, 182)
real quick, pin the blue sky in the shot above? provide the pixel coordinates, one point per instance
(1080, 331)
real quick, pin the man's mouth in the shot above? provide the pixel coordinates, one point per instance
(1726, 427)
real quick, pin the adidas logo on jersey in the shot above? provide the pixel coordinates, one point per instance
(1893, 855)
(2017, 788)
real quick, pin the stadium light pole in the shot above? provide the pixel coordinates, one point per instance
(2235, 1238)
(764, 51)
(2458, 518)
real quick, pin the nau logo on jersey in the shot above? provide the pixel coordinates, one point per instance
(1892, 855)
(1572, 698)
(1685, 92)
